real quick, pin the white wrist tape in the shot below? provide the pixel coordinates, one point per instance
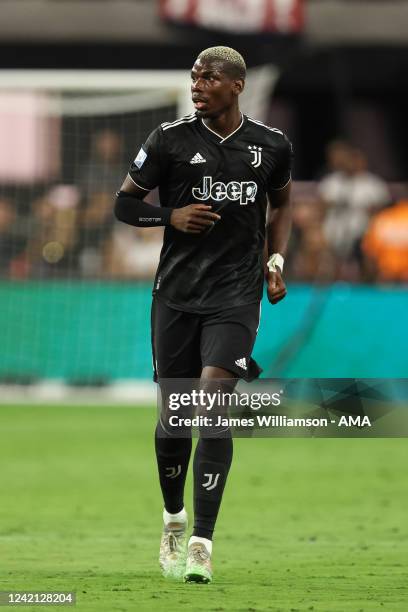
(275, 261)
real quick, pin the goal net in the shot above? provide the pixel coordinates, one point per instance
(75, 285)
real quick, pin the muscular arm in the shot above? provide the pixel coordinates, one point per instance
(278, 227)
(131, 209)
(278, 221)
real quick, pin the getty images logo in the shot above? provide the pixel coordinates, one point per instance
(243, 192)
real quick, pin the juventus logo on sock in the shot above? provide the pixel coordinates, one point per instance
(173, 472)
(212, 481)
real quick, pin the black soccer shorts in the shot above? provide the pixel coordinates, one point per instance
(183, 343)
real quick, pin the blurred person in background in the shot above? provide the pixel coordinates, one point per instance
(385, 245)
(309, 257)
(100, 173)
(97, 179)
(12, 239)
(337, 157)
(351, 194)
(133, 253)
(51, 248)
(95, 233)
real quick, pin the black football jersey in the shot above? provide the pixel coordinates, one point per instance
(223, 266)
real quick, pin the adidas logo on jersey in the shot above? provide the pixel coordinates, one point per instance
(198, 159)
(241, 363)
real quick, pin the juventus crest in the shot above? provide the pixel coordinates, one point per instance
(211, 482)
(173, 472)
(257, 153)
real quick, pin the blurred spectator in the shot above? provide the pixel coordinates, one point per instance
(104, 170)
(51, 247)
(309, 257)
(337, 156)
(96, 227)
(352, 194)
(12, 239)
(385, 244)
(134, 252)
(99, 179)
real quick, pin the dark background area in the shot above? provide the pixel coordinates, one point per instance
(319, 84)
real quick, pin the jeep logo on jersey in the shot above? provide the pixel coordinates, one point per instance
(244, 192)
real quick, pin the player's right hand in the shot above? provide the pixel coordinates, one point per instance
(194, 218)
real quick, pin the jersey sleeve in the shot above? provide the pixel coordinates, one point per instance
(281, 175)
(150, 165)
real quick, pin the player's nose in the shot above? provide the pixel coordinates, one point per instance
(197, 86)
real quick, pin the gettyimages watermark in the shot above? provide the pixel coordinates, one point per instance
(284, 407)
(210, 400)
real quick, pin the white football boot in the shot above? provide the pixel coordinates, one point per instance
(173, 545)
(198, 565)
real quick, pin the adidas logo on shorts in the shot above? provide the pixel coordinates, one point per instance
(198, 159)
(241, 363)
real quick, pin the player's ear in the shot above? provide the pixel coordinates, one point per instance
(238, 86)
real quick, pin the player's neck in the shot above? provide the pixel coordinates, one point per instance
(225, 124)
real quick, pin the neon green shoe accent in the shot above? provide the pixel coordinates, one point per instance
(198, 565)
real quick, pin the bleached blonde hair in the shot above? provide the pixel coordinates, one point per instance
(234, 60)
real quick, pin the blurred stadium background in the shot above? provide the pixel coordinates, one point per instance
(81, 86)
(321, 523)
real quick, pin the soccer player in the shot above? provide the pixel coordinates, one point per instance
(224, 183)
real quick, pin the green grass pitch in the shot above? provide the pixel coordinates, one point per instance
(306, 524)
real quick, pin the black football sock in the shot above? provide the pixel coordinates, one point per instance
(173, 455)
(212, 461)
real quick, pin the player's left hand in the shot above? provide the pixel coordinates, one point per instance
(276, 288)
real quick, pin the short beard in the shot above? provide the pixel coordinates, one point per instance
(208, 114)
(201, 114)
